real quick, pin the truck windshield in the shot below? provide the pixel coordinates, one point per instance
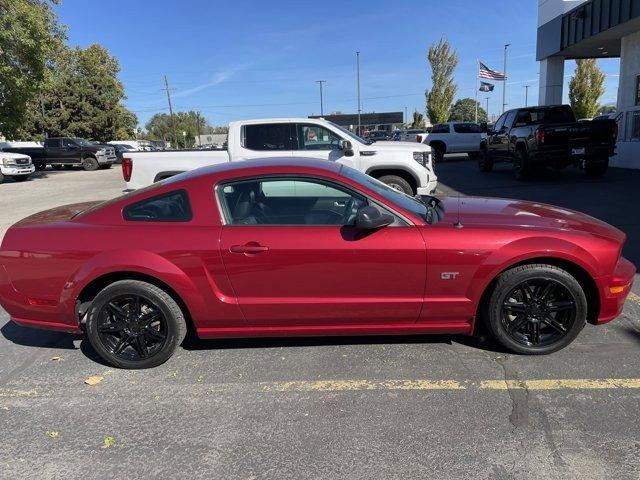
(351, 134)
(400, 199)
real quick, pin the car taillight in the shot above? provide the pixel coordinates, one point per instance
(614, 133)
(540, 136)
(127, 168)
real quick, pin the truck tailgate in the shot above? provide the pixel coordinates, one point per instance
(580, 134)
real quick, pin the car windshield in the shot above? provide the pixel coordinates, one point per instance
(351, 134)
(400, 199)
(82, 142)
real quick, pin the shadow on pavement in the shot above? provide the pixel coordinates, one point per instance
(614, 198)
(33, 337)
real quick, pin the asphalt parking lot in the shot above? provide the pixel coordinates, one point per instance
(402, 407)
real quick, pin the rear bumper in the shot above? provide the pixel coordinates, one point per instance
(614, 290)
(567, 155)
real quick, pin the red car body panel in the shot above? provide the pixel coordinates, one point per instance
(312, 280)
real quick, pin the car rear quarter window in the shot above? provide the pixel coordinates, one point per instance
(167, 207)
(441, 128)
(267, 137)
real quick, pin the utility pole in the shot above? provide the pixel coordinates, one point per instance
(198, 125)
(320, 82)
(487, 109)
(504, 82)
(526, 95)
(44, 131)
(359, 105)
(405, 115)
(173, 123)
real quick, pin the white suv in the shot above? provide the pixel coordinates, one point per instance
(455, 137)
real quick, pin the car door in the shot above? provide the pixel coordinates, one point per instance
(294, 258)
(70, 151)
(264, 140)
(53, 147)
(497, 139)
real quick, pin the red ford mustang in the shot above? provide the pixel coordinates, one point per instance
(291, 247)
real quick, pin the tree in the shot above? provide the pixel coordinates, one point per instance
(464, 110)
(29, 36)
(82, 98)
(586, 87)
(443, 61)
(607, 109)
(160, 127)
(418, 120)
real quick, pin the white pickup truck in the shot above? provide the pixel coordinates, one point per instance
(16, 166)
(404, 166)
(455, 137)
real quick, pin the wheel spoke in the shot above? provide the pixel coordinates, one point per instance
(116, 310)
(535, 333)
(122, 343)
(559, 306)
(155, 334)
(516, 307)
(141, 346)
(547, 290)
(515, 325)
(527, 292)
(553, 323)
(136, 305)
(146, 318)
(111, 327)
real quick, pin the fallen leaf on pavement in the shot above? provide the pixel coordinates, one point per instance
(94, 380)
(108, 442)
(53, 434)
(56, 359)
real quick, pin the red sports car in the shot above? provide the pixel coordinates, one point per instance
(292, 247)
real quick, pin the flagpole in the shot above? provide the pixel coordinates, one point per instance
(504, 82)
(477, 88)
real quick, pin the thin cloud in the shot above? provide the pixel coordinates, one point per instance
(217, 79)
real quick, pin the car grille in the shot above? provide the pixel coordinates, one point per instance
(23, 161)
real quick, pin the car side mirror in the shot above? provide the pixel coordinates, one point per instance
(370, 218)
(347, 147)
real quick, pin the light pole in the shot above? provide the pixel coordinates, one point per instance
(504, 82)
(358, 77)
(320, 82)
(487, 109)
(526, 95)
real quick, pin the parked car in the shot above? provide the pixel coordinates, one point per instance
(378, 135)
(295, 247)
(407, 168)
(67, 151)
(533, 138)
(16, 166)
(455, 137)
(15, 147)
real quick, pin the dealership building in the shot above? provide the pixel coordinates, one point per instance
(572, 29)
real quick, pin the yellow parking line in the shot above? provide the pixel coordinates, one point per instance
(346, 385)
(562, 384)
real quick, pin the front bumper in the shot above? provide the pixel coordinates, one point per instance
(430, 187)
(106, 160)
(18, 170)
(614, 290)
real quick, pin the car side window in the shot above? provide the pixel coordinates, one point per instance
(467, 128)
(267, 136)
(315, 137)
(52, 143)
(67, 143)
(511, 116)
(500, 123)
(168, 207)
(288, 201)
(440, 128)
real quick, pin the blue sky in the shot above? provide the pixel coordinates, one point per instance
(248, 59)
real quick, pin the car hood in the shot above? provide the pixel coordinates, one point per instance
(517, 213)
(14, 156)
(390, 146)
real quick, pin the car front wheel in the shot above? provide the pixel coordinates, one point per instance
(90, 164)
(536, 309)
(134, 324)
(397, 183)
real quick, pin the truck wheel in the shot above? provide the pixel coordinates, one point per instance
(596, 168)
(485, 162)
(522, 168)
(20, 178)
(438, 152)
(90, 164)
(397, 183)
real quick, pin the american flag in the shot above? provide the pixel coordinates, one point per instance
(486, 87)
(486, 72)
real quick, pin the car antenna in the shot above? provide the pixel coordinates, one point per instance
(458, 223)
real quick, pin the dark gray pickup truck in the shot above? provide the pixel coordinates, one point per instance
(66, 151)
(537, 137)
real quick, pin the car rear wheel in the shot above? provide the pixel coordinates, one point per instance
(536, 309)
(134, 324)
(438, 152)
(397, 183)
(522, 167)
(485, 161)
(90, 164)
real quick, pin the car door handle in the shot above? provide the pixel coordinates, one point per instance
(248, 248)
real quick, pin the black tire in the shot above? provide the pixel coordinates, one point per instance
(554, 332)
(103, 320)
(485, 161)
(20, 178)
(522, 167)
(90, 164)
(596, 169)
(438, 152)
(397, 183)
(41, 166)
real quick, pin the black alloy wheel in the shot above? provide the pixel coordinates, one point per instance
(132, 327)
(538, 312)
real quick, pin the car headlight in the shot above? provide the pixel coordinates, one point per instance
(102, 151)
(423, 158)
(8, 162)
